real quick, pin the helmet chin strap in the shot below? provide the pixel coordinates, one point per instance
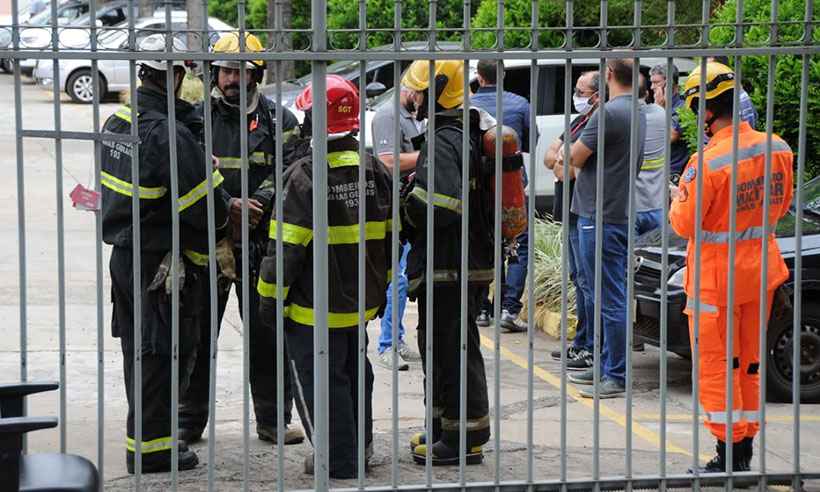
(708, 126)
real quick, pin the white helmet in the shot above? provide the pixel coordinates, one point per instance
(156, 42)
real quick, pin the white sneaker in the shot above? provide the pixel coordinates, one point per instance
(385, 359)
(511, 323)
(407, 354)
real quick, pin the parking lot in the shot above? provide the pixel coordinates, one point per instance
(510, 357)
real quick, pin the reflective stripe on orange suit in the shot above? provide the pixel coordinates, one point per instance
(749, 232)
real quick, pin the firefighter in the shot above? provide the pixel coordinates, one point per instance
(157, 265)
(296, 224)
(751, 229)
(260, 119)
(447, 206)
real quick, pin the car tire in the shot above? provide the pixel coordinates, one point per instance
(779, 358)
(5, 65)
(80, 86)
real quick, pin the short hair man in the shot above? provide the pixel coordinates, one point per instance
(516, 110)
(679, 152)
(614, 207)
(649, 186)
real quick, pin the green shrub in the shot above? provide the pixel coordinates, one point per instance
(548, 265)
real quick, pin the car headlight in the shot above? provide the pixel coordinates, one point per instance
(676, 280)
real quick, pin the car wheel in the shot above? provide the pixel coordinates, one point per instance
(5, 65)
(779, 361)
(80, 86)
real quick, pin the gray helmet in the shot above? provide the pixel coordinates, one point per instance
(156, 43)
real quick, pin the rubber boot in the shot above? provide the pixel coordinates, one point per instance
(420, 438)
(748, 451)
(444, 455)
(718, 463)
(161, 462)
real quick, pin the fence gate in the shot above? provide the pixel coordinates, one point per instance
(544, 434)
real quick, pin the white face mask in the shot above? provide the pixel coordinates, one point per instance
(581, 104)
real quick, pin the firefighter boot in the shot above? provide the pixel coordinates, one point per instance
(368, 455)
(161, 461)
(444, 455)
(293, 435)
(718, 463)
(190, 434)
(420, 438)
(747, 445)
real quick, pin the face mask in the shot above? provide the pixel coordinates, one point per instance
(581, 104)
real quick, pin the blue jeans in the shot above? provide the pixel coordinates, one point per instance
(513, 278)
(583, 331)
(648, 221)
(613, 292)
(386, 336)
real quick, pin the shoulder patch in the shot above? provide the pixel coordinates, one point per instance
(689, 175)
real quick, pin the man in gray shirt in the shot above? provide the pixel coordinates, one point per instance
(384, 133)
(649, 186)
(614, 210)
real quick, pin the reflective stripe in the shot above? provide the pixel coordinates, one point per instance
(291, 233)
(304, 315)
(756, 232)
(758, 149)
(439, 200)
(256, 158)
(704, 307)
(267, 289)
(653, 164)
(721, 417)
(152, 446)
(124, 113)
(125, 188)
(350, 234)
(751, 415)
(196, 258)
(343, 159)
(198, 192)
(471, 424)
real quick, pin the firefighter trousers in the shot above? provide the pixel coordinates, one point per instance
(446, 332)
(193, 410)
(745, 364)
(343, 389)
(156, 353)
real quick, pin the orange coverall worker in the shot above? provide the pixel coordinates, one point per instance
(749, 233)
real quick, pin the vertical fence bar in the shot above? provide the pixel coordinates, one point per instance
(175, 247)
(395, 254)
(58, 158)
(465, 265)
(429, 268)
(797, 324)
(362, 250)
(213, 301)
(498, 259)
(21, 205)
(136, 252)
(320, 244)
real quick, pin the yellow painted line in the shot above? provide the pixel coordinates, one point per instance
(615, 416)
(785, 419)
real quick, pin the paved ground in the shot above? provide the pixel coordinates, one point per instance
(81, 363)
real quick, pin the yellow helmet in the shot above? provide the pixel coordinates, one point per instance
(229, 43)
(719, 79)
(449, 79)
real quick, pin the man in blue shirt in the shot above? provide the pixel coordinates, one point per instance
(516, 115)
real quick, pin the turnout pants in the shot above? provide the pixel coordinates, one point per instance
(193, 410)
(446, 333)
(343, 390)
(156, 350)
(745, 363)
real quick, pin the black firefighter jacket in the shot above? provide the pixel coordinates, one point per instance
(343, 240)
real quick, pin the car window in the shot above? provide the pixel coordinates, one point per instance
(384, 74)
(811, 212)
(517, 81)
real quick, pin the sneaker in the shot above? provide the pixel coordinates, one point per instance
(585, 377)
(572, 352)
(161, 462)
(608, 388)
(583, 361)
(511, 324)
(483, 319)
(385, 359)
(407, 354)
(267, 433)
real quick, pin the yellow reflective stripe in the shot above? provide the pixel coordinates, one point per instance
(256, 158)
(198, 192)
(267, 289)
(124, 113)
(291, 233)
(653, 164)
(196, 258)
(439, 200)
(350, 234)
(152, 446)
(304, 316)
(125, 188)
(342, 159)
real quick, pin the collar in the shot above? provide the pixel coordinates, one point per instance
(151, 100)
(726, 133)
(347, 142)
(486, 89)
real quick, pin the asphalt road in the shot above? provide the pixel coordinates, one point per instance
(510, 419)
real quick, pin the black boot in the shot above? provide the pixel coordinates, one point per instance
(161, 461)
(747, 445)
(444, 455)
(718, 463)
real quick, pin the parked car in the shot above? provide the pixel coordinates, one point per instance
(75, 75)
(780, 337)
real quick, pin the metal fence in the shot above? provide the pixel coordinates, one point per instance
(318, 54)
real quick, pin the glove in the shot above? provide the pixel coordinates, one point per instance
(163, 275)
(225, 258)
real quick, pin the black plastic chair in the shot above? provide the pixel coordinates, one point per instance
(41, 472)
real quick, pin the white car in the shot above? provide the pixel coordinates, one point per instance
(76, 77)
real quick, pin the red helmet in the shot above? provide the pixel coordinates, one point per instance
(342, 104)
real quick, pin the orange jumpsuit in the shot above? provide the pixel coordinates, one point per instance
(749, 233)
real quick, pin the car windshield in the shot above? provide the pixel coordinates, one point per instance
(811, 212)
